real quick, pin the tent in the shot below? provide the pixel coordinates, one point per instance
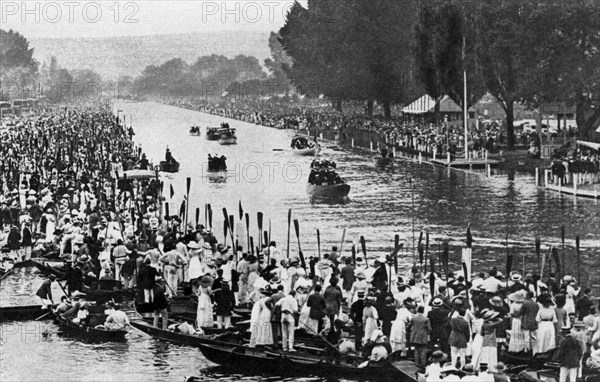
(426, 104)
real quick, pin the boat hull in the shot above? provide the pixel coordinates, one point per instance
(23, 313)
(308, 152)
(91, 334)
(228, 141)
(254, 360)
(195, 134)
(336, 191)
(169, 166)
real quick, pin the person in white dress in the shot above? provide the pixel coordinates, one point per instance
(370, 319)
(398, 334)
(195, 268)
(261, 331)
(204, 317)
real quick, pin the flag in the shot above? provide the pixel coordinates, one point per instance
(172, 191)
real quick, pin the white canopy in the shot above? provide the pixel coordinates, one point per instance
(421, 106)
(592, 145)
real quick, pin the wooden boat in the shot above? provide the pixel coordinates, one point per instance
(145, 325)
(275, 362)
(169, 166)
(227, 137)
(23, 313)
(212, 133)
(89, 332)
(195, 131)
(383, 162)
(334, 191)
(309, 151)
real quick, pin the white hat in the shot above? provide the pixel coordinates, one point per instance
(194, 245)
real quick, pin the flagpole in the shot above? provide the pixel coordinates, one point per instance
(465, 104)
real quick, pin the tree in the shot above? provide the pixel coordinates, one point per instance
(504, 52)
(17, 66)
(567, 48)
(277, 61)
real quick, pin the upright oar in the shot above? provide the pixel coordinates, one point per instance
(363, 244)
(562, 238)
(197, 216)
(248, 233)
(297, 228)
(353, 255)
(577, 239)
(187, 206)
(420, 250)
(538, 249)
(289, 227)
(266, 236)
(396, 250)
(259, 219)
(509, 258)
(231, 229)
(557, 261)
(252, 245)
(319, 246)
(166, 209)
(206, 215)
(445, 257)
(210, 216)
(225, 229)
(427, 250)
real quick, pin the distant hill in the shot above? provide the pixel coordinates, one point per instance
(116, 56)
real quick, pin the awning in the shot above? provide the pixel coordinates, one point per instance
(426, 104)
(592, 145)
(138, 174)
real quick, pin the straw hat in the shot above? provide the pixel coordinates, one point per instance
(468, 369)
(518, 296)
(500, 367)
(438, 356)
(206, 281)
(516, 276)
(359, 274)
(437, 302)
(496, 301)
(206, 246)
(360, 262)
(489, 314)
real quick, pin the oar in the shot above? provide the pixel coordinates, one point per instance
(342, 243)
(259, 218)
(225, 214)
(266, 236)
(225, 229)
(562, 238)
(557, 261)
(427, 249)
(577, 239)
(252, 245)
(197, 216)
(289, 227)
(297, 229)
(205, 215)
(231, 229)
(182, 211)
(248, 232)
(166, 208)
(445, 256)
(396, 249)
(187, 207)
(269, 241)
(241, 211)
(44, 315)
(319, 245)
(353, 255)
(363, 244)
(210, 216)
(538, 247)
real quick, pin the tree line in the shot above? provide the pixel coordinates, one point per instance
(525, 51)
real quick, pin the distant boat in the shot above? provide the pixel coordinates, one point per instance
(334, 191)
(195, 131)
(169, 166)
(383, 162)
(309, 151)
(212, 133)
(227, 137)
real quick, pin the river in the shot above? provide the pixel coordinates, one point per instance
(404, 201)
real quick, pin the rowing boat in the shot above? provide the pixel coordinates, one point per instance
(309, 151)
(212, 133)
(91, 333)
(227, 137)
(146, 326)
(169, 166)
(248, 359)
(23, 313)
(383, 162)
(334, 191)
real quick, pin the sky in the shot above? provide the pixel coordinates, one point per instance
(111, 18)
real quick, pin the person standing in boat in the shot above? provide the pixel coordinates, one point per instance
(289, 308)
(168, 156)
(420, 329)
(45, 293)
(160, 303)
(260, 320)
(224, 302)
(204, 314)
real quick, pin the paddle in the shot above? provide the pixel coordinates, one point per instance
(187, 207)
(248, 231)
(289, 227)
(259, 218)
(342, 243)
(363, 244)
(577, 239)
(297, 229)
(319, 245)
